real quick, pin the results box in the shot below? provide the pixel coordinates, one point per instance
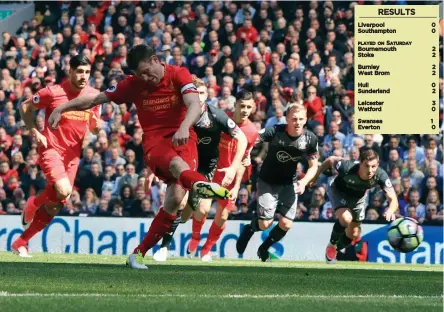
(396, 51)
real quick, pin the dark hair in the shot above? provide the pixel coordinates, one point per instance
(396, 167)
(119, 203)
(244, 95)
(79, 60)
(410, 138)
(137, 54)
(367, 153)
(412, 190)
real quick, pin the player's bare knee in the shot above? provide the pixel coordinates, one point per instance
(204, 206)
(63, 193)
(63, 189)
(265, 224)
(285, 224)
(172, 205)
(177, 165)
(345, 217)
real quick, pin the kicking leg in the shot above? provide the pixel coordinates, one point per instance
(195, 181)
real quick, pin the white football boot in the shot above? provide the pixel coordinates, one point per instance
(161, 255)
(135, 261)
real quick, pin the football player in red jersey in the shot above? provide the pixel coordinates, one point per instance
(227, 149)
(212, 123)
(168, 106)
(59, 149)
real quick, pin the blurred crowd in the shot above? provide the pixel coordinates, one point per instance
(282, 51)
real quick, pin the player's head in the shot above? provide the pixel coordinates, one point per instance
(202, 89)
(368, 163)
(244, 105)
(144, 63)
(79, 71)
(296, 116)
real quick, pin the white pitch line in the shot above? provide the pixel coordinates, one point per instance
(232, 296)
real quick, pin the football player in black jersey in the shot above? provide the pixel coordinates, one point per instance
(348, 194)
(278, 187)
(209, 128)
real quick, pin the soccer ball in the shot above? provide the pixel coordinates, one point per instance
(405, 234)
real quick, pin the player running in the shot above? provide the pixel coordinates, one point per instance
(227, 146)
(278, 187)
(212, 123)
(168, 106)
(348, 194)
(59, 149)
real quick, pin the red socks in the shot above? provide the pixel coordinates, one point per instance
(189, 177)
(197, 228)
(195, 234)
(40, 221)
(48, 196)
(213, 237)
(159, 227)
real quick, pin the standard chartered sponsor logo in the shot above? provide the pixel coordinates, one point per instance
(283, 157)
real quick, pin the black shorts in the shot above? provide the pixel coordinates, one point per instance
(339, 200)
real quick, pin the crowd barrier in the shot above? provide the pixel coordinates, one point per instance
(119, 236)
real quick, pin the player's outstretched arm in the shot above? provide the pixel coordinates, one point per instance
(231, 171)
(390, 213)
(191, 101)
(80, 103)
(328, 163)
(27, 113)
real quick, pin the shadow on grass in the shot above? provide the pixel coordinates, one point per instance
(172, 268)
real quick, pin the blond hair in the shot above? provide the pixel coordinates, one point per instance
(199, 82)
(296, 107)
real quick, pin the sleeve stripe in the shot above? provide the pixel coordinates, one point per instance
(189, 86)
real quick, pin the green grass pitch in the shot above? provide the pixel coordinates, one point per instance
(65, 282)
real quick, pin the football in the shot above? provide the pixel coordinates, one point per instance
(405, 234)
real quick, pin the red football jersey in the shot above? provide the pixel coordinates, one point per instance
(68, 137)
(228, 145)
(160, 107)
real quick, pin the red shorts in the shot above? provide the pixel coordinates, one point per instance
(225, 203)
(56, 167)
(160, 151)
